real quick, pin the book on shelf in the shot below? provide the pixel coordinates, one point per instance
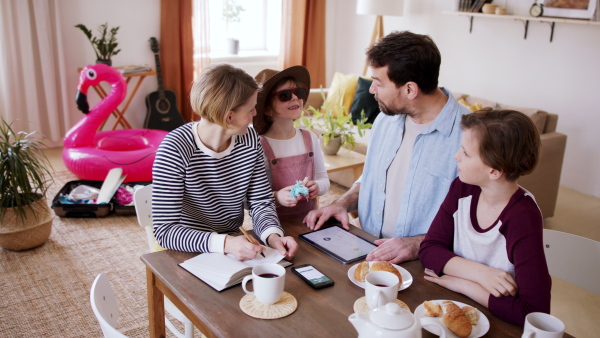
(133, 69)
(224, 271)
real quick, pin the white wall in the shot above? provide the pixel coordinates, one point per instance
(495, 62)
(138, 21)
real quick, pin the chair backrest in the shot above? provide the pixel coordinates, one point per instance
(574, 259)
(142, 199)
(105, 307)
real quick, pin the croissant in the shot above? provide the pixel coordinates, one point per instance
(456, 320)
(365, 267)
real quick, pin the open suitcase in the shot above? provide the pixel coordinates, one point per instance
(91, 210)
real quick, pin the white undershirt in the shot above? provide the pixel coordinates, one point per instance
(396, 177)
(295, 146)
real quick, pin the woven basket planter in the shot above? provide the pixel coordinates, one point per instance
(18, 235)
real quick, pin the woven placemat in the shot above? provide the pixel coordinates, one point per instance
(284, 307)
(360, 306)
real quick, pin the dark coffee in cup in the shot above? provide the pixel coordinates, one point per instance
(381, 285)
(268, 275)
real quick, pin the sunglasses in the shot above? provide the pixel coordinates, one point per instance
(286, 94)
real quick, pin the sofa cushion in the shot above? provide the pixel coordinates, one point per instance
(341, 93)
(538, 116)
(363, 100)
(472, 100)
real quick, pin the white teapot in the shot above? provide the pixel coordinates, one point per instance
(391, 321)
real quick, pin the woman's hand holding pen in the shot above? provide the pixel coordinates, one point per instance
(241, 248)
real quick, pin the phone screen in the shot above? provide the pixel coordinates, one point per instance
(313, 275)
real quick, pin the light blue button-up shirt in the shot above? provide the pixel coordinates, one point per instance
(431, 170)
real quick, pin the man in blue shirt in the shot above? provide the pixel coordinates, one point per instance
(410, 160)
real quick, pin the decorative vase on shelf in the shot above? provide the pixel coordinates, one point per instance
(106, 62)
(233, 46)
(332, 147)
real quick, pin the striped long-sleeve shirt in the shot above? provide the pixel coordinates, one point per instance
(198, 194)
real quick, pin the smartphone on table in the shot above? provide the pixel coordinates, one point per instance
(312, 276)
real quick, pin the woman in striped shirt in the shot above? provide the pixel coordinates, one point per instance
(205, 171)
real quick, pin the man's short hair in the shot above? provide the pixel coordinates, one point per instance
(409, 57)
(220, 89)
(508, 140)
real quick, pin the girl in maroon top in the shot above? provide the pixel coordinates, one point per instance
(486, 241)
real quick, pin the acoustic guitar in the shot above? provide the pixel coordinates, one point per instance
(161, 105)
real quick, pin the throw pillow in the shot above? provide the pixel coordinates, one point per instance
(474, 107)
(364, 100)
(341, 93)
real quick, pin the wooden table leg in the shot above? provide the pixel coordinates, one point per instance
(156, 307)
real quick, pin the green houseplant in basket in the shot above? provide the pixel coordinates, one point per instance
(105, 46)
(25, 217)
(337, 130)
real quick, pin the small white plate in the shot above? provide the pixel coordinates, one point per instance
(482, 327)
(407, 278)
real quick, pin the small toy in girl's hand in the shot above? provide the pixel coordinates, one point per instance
(299, 190)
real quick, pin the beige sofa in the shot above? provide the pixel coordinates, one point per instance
(543, 183)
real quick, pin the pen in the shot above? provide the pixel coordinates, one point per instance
(249, 238)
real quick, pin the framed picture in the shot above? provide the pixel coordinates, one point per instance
(578, 9)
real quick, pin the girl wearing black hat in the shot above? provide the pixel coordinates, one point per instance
(291, 154)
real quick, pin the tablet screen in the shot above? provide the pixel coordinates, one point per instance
(339, 243)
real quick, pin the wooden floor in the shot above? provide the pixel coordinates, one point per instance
(576, 213)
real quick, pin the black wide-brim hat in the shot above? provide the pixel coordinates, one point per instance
(268, 78)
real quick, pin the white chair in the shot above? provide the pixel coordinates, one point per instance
(105, 306)
(574, 259)
(142, 199)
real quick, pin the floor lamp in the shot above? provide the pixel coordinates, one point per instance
(379, 8)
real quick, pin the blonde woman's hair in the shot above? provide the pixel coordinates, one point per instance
(219, 89)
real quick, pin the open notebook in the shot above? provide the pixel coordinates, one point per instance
(223, 271)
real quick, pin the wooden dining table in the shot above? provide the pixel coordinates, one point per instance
(320, 313)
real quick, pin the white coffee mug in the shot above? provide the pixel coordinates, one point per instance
(268, 280)
(543, 325)
(381, 287)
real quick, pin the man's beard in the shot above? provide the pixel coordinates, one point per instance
(392, 112)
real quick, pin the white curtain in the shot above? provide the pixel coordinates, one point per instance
(33, 96)
(201, 31)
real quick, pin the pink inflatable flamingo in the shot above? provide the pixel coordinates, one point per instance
(90, 154)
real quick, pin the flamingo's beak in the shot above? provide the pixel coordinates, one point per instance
(82, 102)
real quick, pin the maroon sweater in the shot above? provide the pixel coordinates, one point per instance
(514, 243)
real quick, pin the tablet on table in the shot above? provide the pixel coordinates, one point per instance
(339, 243)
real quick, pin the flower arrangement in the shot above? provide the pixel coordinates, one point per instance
(334, 125)
(105, 46)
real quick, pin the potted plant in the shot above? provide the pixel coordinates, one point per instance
(231, 14)
(105, 46)
(25, 217)
(337, 130)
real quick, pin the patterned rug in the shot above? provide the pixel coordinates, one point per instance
(45, 292)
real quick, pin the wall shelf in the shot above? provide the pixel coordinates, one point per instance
(525, 19)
